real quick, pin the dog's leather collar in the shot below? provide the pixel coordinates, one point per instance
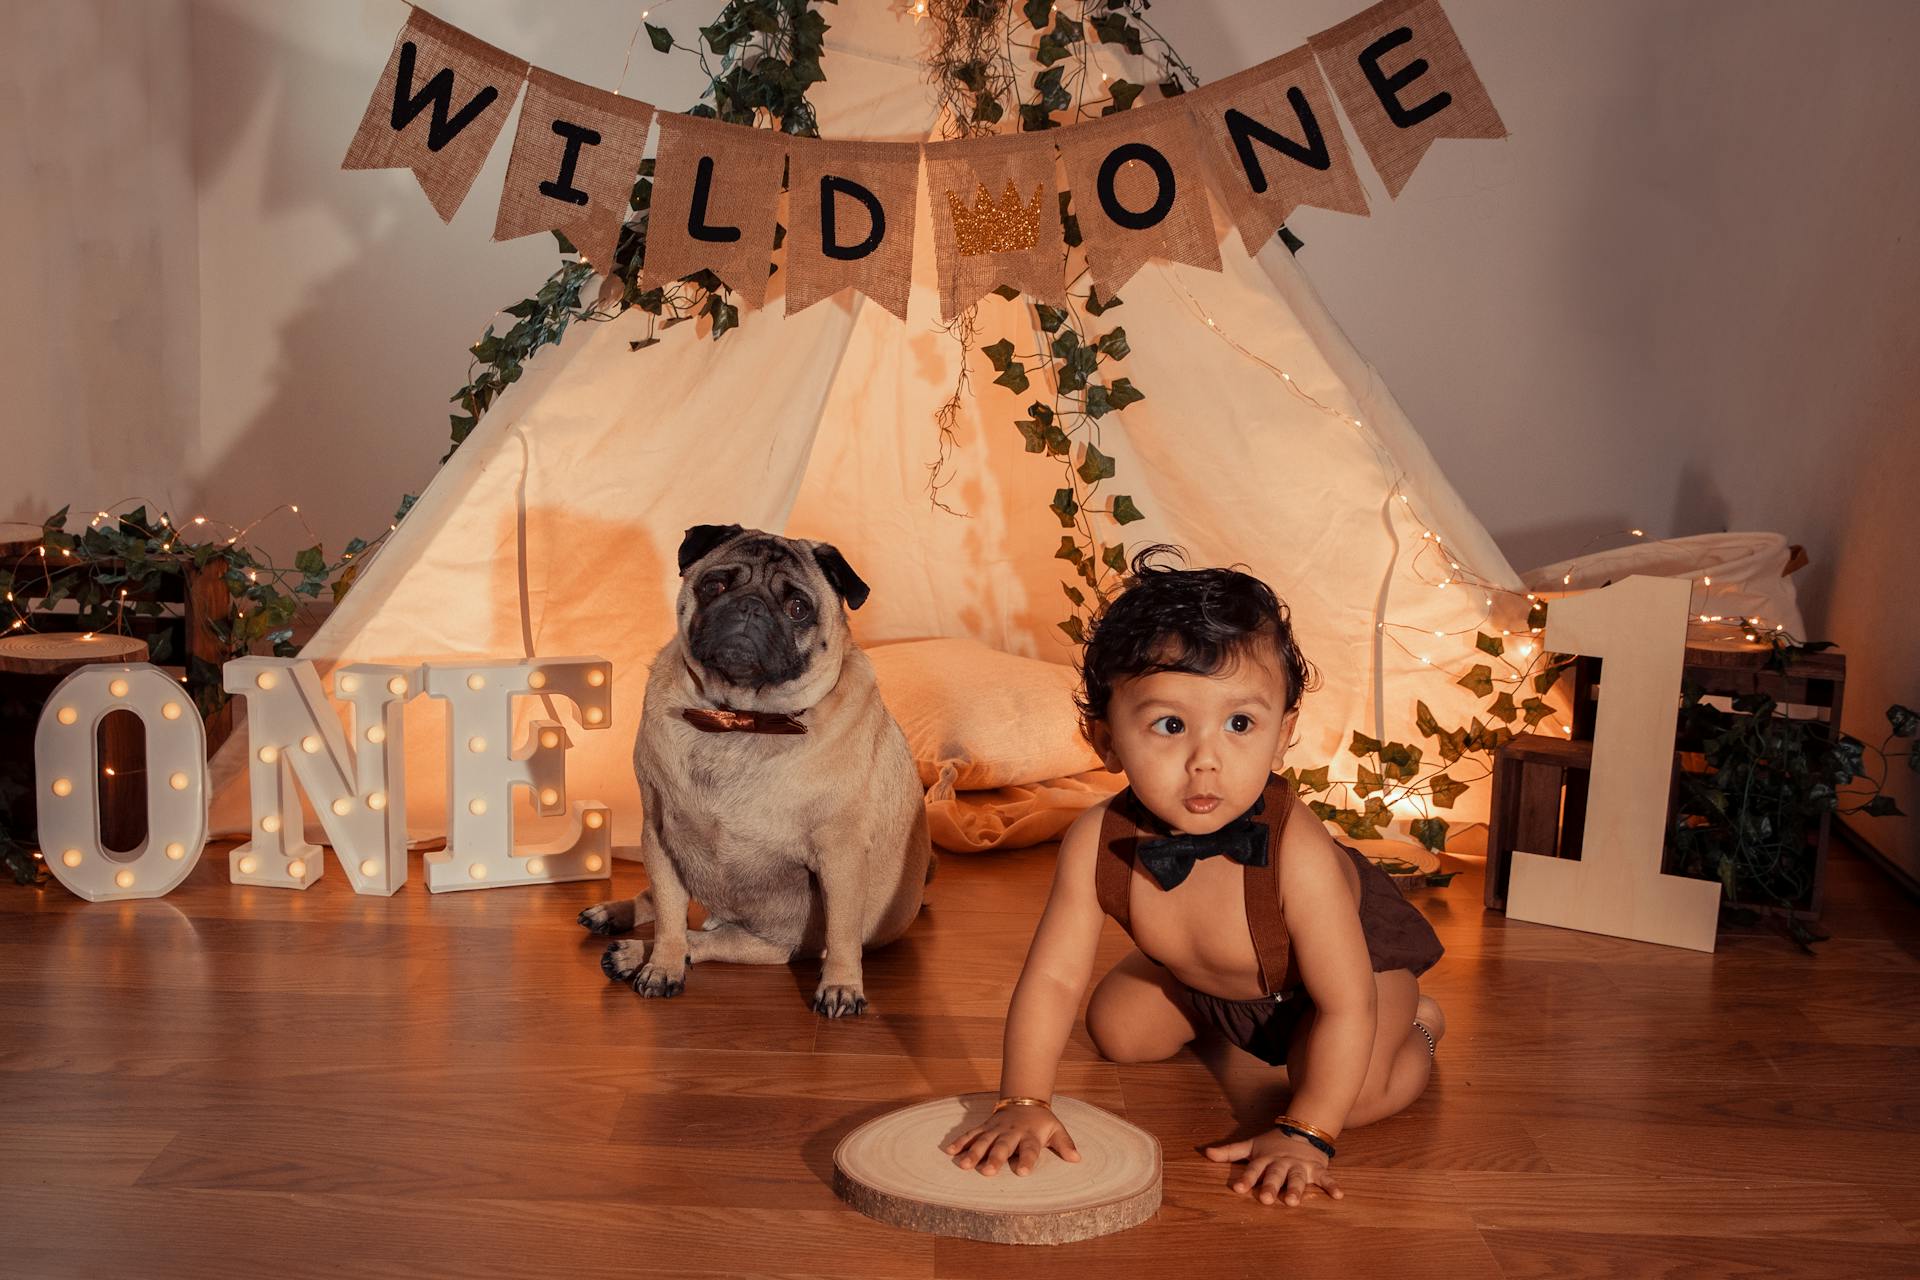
(727, 720)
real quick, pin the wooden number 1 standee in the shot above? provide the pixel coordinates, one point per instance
(1639, 628)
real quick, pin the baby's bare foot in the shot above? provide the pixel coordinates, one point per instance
(1427, 1013)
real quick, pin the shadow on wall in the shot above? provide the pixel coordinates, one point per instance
(311, 356)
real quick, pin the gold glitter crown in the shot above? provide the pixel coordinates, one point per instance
(996, 228)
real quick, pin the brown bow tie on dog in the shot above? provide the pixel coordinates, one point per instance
(725, 720)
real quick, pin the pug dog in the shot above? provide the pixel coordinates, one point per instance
(778, 789)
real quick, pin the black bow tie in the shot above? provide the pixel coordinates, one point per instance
(1170, 858)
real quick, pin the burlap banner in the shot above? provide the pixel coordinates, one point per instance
(716, 197)
(1273, 144)
(1139, 192)
(852, 205)
(1405, 82)
(438, 108)
(574, 157)
(996, 219)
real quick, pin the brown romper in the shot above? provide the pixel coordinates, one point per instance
(1398, 936)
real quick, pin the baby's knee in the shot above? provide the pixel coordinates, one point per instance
(1123, 1039)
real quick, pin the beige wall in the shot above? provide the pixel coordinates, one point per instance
(1684, 296)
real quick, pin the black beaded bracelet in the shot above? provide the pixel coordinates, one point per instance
(1319, 1144)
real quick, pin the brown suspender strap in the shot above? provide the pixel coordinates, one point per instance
(1271, 946)
(1113, 873)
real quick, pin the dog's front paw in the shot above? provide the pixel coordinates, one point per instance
(839, 1001)
(608, 917)
(656, 982)
(622, 960)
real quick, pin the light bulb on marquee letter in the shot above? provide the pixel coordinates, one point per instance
(483, 769)
(356, 782)
(65, 752)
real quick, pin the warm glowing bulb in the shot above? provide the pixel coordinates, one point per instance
(1425, 659)
(596, 677)
(1526, 647)
(593, 862)
(297, 869)
(549, 739)
(249, 865)
(536, 866)
(397, 685)
(476, 681)
(68, 715)
(1708, 581)
(369, 868)
(177, 781)
(118, 688)
(311, 744)
(124, 879)
(171, 710)
(476, 806)
(596, 819)
(377, 801)
(342, 806)
(266, 680)
(476, 745)
(549, 797)
(349, 684)
(71, 857)
(595, 715)
(63, 786)
(270, 823)
(176, 851)
(537, 680)
(376, 734)
(478, 871)
(1638, 533)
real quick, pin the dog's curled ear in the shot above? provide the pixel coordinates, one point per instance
(703, 538)
(840, 574)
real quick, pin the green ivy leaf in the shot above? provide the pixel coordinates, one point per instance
(1121, 392)
(1113, 343)
(1051, 318)
(1015, 378)
(1075, 632)
(1503, 708)
(1548, 678)
(661, 37)
(1124, 512)
(1424, 721)
(1113, 28)
(1399, 760)
(1095, 466)
(1074, 593)
(1489, 644)
(1065, 508)
(1064, 344)
(1432, 833)
(1115, 557)
(1095, 306)
(1315, 779)
(1007, 291)
(1443, 790)
(1058, 445)
(1039, 13)
(1369, 782)
(1905, 721)
(999, 354)
(1362, 745)
(1478, 681)
(311, 560)
(1069, 550)
(1123, 95)
(1069, 224)
(1033, 434)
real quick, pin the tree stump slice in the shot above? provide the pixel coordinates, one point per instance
(60, 652)
(893, 1169)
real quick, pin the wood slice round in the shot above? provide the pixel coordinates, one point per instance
(893, 1169)
(56, 653)
(1407, 865)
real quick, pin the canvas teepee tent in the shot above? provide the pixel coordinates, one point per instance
(1264, 440)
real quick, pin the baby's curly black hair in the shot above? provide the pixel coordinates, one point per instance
(1199, 621)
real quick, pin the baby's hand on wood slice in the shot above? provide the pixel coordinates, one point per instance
(1016, 1136)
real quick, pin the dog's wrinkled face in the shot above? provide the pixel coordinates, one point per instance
(760, 615)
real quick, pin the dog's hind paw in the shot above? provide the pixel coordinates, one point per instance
(839, 1002)
(608, 917)
(655, 983)
(622, 960)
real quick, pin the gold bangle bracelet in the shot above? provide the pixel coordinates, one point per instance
(1004, 1103)
(1304, 1127)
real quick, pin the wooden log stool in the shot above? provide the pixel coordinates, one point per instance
(31, 667)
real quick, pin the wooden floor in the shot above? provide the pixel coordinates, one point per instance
(244, 1082)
